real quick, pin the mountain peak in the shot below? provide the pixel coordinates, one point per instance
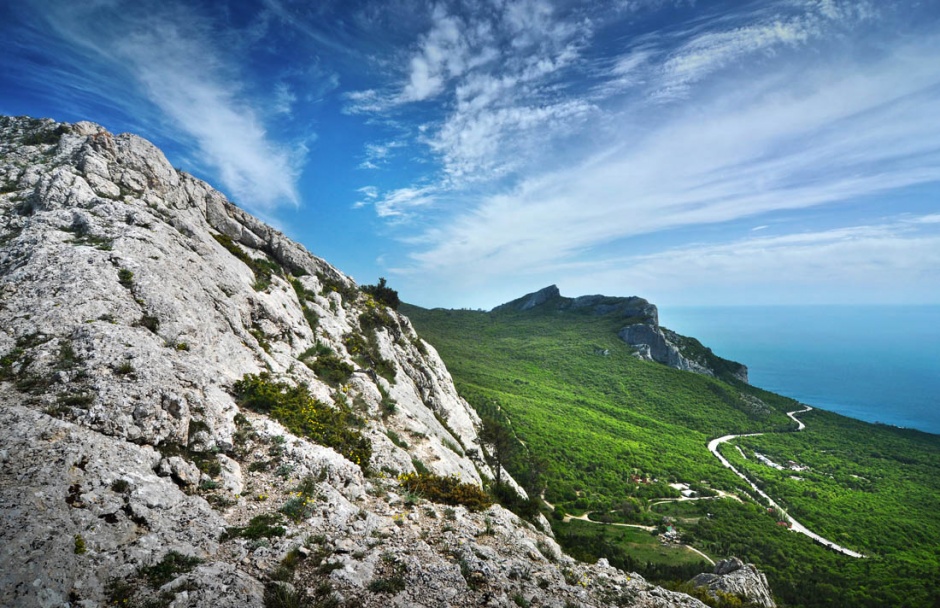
(178, 378)
(531, 300)
(640, 329)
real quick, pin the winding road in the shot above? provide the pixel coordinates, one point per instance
(794, 525)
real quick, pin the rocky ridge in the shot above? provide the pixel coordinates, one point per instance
(133, 299)
(641, 330)
(734, 577)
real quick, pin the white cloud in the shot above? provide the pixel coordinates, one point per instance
(397, 204)
(846, 131)
(711, 51)
(377, 154)
(443, 53)
(284, 99)
(494, 73)
(172, 58)
(670, 63)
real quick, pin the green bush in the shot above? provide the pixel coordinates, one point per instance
(331, 369)
(124, 368)
(150, 322)
(303, 415)
(446, 490)
(171, 566)
(261, 526)
(346, 292)
(126, 278)
(389, 584)
(366, 352)
(383, 294)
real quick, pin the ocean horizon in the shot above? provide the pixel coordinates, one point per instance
(874, 363)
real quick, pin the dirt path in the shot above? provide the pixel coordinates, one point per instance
(795, 526)
(693, 549)
(600, 523)
(721, 494)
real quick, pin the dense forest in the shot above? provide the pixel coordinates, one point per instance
(602, 433)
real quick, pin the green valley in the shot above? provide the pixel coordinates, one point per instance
(602, 432)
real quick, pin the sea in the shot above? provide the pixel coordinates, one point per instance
(873, 363)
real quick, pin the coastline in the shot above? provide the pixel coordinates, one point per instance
(877, 364)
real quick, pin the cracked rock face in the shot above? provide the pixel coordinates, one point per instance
(732, 576)
(132, 298)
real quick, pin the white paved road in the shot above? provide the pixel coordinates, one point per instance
(795, 525)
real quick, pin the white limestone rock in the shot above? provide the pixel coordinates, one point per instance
(126, 318)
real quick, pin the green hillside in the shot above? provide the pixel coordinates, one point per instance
(605, 432)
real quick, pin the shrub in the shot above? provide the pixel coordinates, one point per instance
(298, 507)
(126, 278)
(347, 293)
(293, 407)
(390, 584)
(396, 439)
(45, 136)
(446, 490)
(150, 322)
(383, 294)
(171, 566)
(389, 405)
(67, 358)
(79, 400)
(261, 526)
(316, 350)
(313, 319)
(331, 369)
(124, 368)
(284, 596)
(366, 352)
(520, 601)
(506, 495)
(80, 547)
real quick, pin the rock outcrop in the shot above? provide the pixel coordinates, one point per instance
(734, 577)
(641, 330)
(134, 298)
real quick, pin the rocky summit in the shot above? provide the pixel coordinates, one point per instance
(196, 411)
(641, 330)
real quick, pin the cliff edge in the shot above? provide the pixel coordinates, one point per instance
(196, 411)
(641, 330)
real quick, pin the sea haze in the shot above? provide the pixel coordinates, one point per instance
(874, 363)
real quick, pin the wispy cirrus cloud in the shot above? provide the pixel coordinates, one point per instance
(396, 204)
(848, 130)
(665, 66)
(171, 56)
(494, 74)
(377, 154)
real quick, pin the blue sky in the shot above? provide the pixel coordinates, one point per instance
(772, 152)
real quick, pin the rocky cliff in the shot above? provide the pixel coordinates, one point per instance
(732, 577)
(196, 411)
(641, 330)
